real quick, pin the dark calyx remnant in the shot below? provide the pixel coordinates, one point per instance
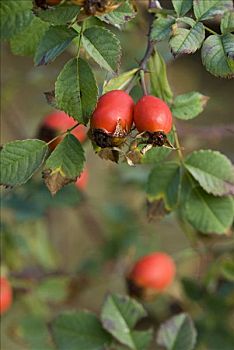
(155, 138)
(102, 138)
(133, 289)
(93, 6)
(41, 3)
(46, 133)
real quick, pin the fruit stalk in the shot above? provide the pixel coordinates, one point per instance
(63, 133)
(177, 143)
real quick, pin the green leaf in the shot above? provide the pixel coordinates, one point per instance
(218, 55)
(164, 182)
(14, 16)
(227, 22)
(187, 184)
(142, 339)
(155, 155)
(189, 105)
(187, 20)
(20, 159)
(53, 43)
(207, 213)
(178, 333)
(59, 15)
(53, 289)
(120, 82)
(160, 86)
(26, 42)
(34, 331)
(79, 330)
(76, 90)
(210, 8)
(121, 15)
(182, 6)
(213, 171)
(119, 316)
(64, 164)
(187, 41)
(162, 28)
(103, 46)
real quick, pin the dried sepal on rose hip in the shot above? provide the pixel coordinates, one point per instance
(153, 120)
(150, 275)
(112, 119)
(5, 295)
(97, 7)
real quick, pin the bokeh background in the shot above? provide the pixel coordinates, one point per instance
(69, 252)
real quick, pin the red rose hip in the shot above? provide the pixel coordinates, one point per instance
(152, 114)
(155, 272)
(112, 119)
(58, 122)
(5, 295)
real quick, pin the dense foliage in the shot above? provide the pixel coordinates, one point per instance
(197, 187)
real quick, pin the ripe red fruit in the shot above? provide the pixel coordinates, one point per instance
(82, 181)
(152, 114)
(60, 122)
(155, 271)
(5, 295)
(57, 122)
(112, 119)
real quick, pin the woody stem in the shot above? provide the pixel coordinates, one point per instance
(149, 49)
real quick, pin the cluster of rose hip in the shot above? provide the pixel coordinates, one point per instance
(116, 116)
(114, 119)
(150, 275)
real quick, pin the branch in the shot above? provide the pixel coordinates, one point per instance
(63, 133)
(150, 46)
(150, 43)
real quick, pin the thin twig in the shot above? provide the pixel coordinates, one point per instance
(132, 83)
(150, 45)
(149, 49)
(178, 147)
(210, 30)
(63, 133)
(143, 83)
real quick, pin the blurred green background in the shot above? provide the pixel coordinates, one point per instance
(69, 252)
